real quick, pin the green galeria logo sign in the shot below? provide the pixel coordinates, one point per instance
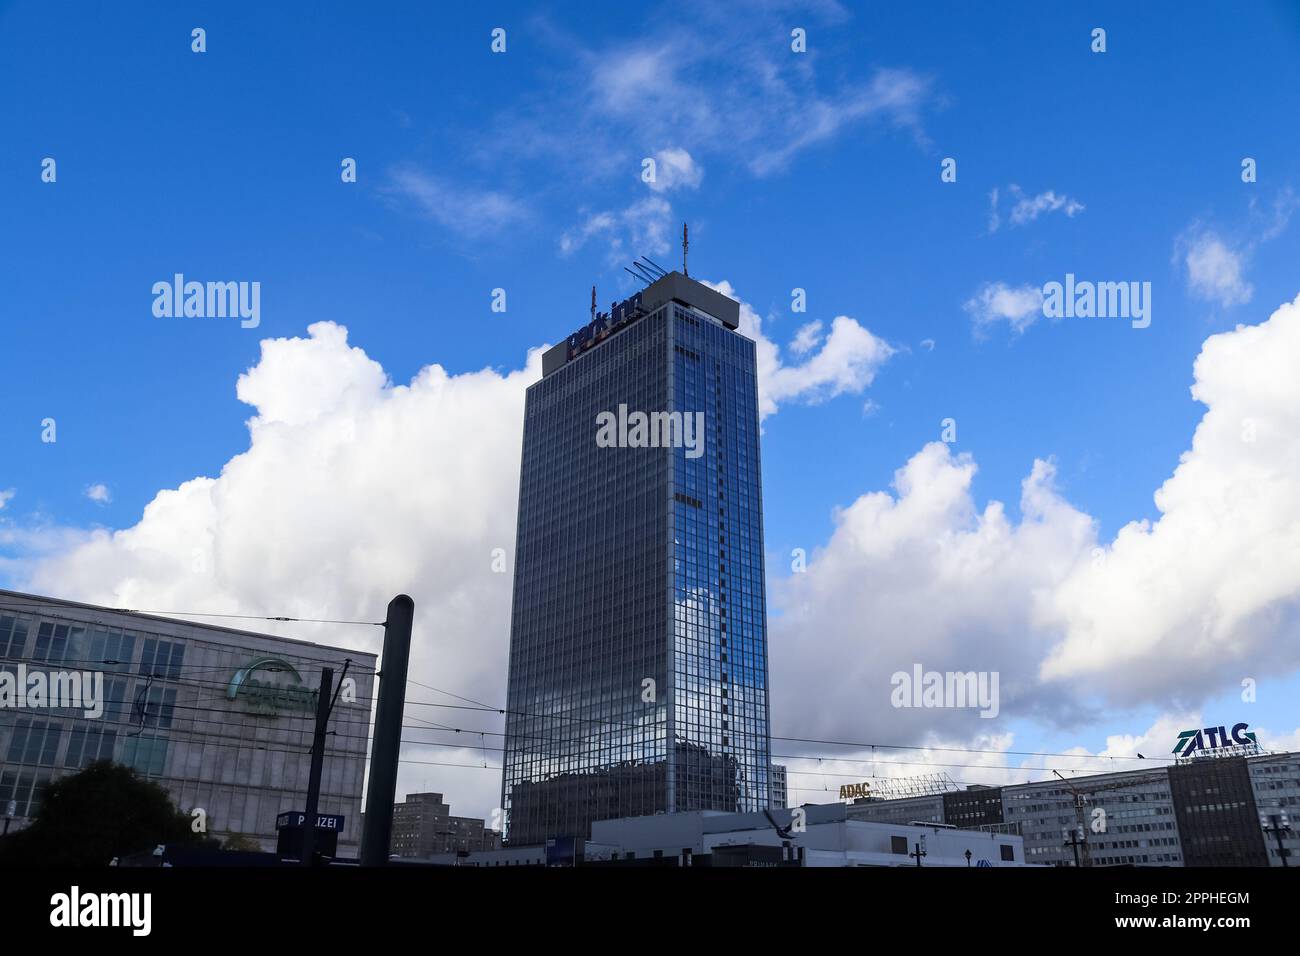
(267, 697)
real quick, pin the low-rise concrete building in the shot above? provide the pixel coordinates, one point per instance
(809, 836)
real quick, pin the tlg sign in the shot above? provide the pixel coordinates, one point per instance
(1209, 739)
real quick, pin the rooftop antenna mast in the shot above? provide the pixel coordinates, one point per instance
(649, 268)
(645, 273)
(593, 303)
(685, 245)
(657, 268)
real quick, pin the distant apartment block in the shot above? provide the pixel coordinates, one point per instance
(423, 826)
(780, 787)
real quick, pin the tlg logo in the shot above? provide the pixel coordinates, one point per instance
(1213, 738)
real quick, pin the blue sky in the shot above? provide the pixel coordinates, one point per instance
(474, 167)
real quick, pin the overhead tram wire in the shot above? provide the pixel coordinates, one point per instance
(246, 617)
(109, 665)
(165, 674)
(481, 706)
(470, 700)
(481, 733)
(253, 743)
(39, 611)
(838, 743)
(504, 711)
(210, 738)
(18, 610)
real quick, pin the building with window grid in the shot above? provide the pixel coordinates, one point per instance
(638, 651)
(423, 826)
(177, 709)
(1209, 811)
(780, 787)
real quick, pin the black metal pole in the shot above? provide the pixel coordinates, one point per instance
(387, 741)
(1277, 830)
(1074, 843)
(317, 762)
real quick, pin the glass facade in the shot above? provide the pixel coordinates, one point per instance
(167, 713)
(1218, 819)
(638, 655)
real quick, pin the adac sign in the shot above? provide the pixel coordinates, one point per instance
(255, 684)
(852, 791)
(606, 323)
(1214, 738)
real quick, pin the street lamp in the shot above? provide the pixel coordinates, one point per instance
(919, 851)
(968, 856)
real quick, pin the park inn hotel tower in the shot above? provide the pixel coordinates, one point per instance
(638, 639)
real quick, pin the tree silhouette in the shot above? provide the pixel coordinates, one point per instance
(107, 810)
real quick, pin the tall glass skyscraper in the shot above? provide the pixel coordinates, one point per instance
(638, 640)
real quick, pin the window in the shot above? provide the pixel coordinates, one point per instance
(86, 745)
(1008, 852)
(116, 709)
(161, 658)
(113, 649)
(898, 844)
(34, 741)
(13, 637)
(25, 789)
(147, 754)
(155, 707)
(57, 643)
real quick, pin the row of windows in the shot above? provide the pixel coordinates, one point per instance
(13, 637)
(112, 650)
(35, 743)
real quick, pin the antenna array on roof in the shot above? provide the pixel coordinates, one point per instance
(896, 788)
(646, 271)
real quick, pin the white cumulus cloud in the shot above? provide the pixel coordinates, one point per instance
(352, 489)
(99, 494)
(1026, 209)
(675, 169)
(641, 228)
(1180, 604)
(1167, 613)
(807, 338)
(462, 208)
(1029, 208)
(845, 364)
(1019, 306)
(1215, 271)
